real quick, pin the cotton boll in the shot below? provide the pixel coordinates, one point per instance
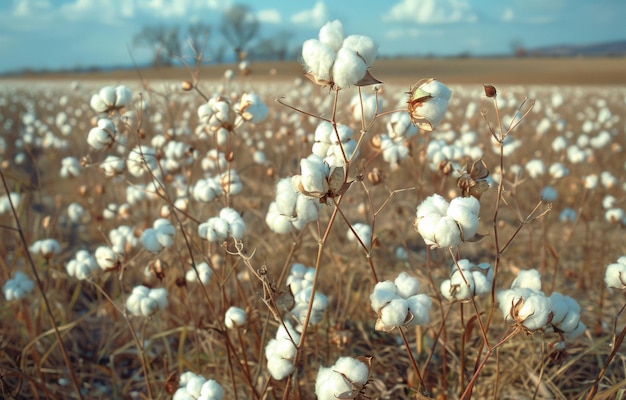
(17, 287)
(235, 318)
(406, 285)
(615, 275)
(331, 34)
(394, 313)
(363, 231)
(419, 306)
(353, 369)
(348, 68)
(318, 59)
(204, 271)
(577, 331)
(534, 312)
(447, 233)
(363, 46)
(559, 308)
(535, 168)
(211, 390)
(106, 258)
(382, 294)
(529, 279)
(549, 194)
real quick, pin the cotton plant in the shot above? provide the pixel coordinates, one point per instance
(144, 301)
(112, 166)
(17, 287)
(204, 274)
(196, 387)
(159, 237)
(467, 280)
(123, 239)
(5, 205)
(332, 142)
(47, 248)
(527, 307)
(141, 159)
(227, 224)
(346, 379)
(252, 109)
(442, 224)
(111, 98)
(70, 167)
(398, 303)
(82, 265)
(235, 317)
(428, 103)
(281, 351)
(615, 274)
(291, 210)
(338, 61)
(107, 258)
(206, 190)
(103, 135)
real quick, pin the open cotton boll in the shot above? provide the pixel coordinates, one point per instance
(235, 318)
(211, 390)
(447, 233)
(204, 271)
(252, 108)
(332, 35)
(278, 222)
(529, 279)
(534, 312)
(318, 59)
(363, 231)
(406, 285)
(348, 68)
(314, 172)
(82, 265)
(393, 314)
(419, 306)
(17, 287)
(615, 275)
(106, 258)
(340, 378)
(382, 294)
(364, 46)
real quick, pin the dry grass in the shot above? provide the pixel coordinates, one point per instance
(187, 336)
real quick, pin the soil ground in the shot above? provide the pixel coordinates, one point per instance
(545, 71)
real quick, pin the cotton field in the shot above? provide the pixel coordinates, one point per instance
(330, 237)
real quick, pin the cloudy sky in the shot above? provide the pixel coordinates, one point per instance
(54, 34)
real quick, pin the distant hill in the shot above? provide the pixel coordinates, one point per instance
(606, 49)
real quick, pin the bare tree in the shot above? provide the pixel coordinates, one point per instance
(197, 37)
(239, 26)
(164, 41)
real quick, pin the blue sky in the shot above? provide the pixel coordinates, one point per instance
(80, 33)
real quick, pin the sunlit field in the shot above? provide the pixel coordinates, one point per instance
(263, 237)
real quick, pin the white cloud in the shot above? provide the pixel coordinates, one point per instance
(431, 12)
(317, 16)
(270, 16)
(508, 15)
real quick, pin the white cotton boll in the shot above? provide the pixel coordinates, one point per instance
(259, 157)
(419, 306)
(569, 322)
(318, 59)
(615, 275)
(558, 171)
(279, 368)
(211, 390)
(17, 287)
(204, 271)
(529, 279)
(314, 174)
(100, 139)
(427, 227)
(363, 46)
(332, 34)
(614, 215)
(123, 96)
(608, 180)
(482, 281)
(608, 201)
(534, 311)
(97, 104)
(133, 302)
(559, 308)
(194, 385)
(150, 241)
(363, 231)
(559, 144)
(406, 285)
(394, 313)
(307, 208)
(577, 331)
(286, 197)
(46, 248)
(277, 222)
(106, 258)
(235, 318)
(75, 212)
(112, 165)
(434, 204)
(382, 294)
(459, 289)
(159, 295)
(355, 370)
(5, 205)
(447, 233)
(465, 211)
(252, 108)
(535, 168)
(107, 94)
(348, 68)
